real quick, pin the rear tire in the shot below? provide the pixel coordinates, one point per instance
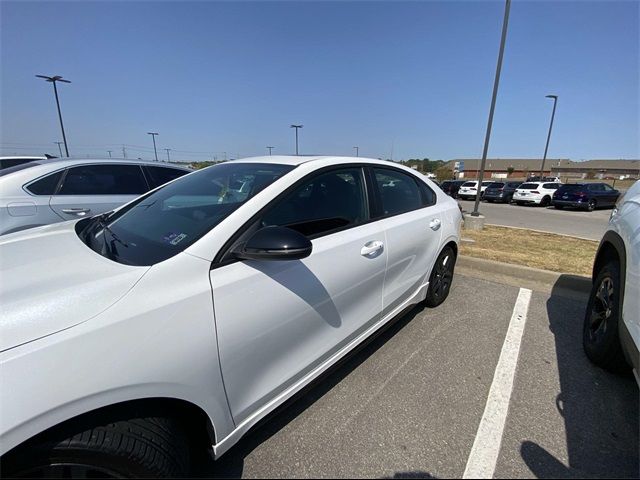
(546, 201)
(133, 447)
(520, 203)
(441, 277)
(591, 205)
(600, 335)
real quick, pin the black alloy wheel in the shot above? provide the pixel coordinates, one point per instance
(600, 336)
(591, 205)
(441, 277)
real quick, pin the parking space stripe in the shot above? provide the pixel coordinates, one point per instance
(486, 446)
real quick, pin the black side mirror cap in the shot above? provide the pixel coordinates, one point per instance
(275, 243)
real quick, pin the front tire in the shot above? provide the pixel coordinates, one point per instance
(441, 277)
(600, 335)
(131, 448)
(591, 205)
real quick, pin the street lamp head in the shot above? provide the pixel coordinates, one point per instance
(152, 133)
(297, 126)
(552, 96)
(56, 78)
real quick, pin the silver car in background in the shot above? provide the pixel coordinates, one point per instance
(58, 190)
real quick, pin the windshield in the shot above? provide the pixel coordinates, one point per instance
(496, 185)
(163, 223)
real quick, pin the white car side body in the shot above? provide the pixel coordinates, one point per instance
(526, 195)
(156, 334)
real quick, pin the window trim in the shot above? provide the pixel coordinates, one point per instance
(149, 179)
(222, 258)
(26, 186)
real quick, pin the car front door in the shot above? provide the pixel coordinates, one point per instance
(412, 220)
(277, 321)
(88, 190)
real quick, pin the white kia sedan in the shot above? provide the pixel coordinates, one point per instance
(187, 315)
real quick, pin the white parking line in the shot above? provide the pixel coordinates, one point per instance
(486, 446)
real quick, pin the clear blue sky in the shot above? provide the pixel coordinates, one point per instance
(415, 77)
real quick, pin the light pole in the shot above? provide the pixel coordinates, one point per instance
(168, 158)
(270, 148)
(546, 147)
(109, 152)
(357, 151)
(153, 135)
(496, 81)
(53, 80)
(297, 127)
(59, 147)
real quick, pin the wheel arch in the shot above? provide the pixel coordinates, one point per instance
(198, 424)
(611, 248)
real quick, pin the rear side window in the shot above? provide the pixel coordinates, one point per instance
(399, 191)
(528, 186)
(551, 186)
(46, 185)
(328, 202)
(161, 175)
(104, 180)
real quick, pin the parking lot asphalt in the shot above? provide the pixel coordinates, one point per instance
(409, 404)
(578, 223)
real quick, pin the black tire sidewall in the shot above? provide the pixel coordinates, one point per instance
(431, 299)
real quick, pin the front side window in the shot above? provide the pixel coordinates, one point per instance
(328, 202)
(104, 180)
(551, 186)
(399, 191)
(163, 223)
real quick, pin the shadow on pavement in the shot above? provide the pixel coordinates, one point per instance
(600, 409)
(231, 465)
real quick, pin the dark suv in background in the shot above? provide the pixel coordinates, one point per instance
(500, 191)
(587, 196)
(451, 187)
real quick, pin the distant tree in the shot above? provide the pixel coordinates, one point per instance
(510, 170)
(444, 173)
(590, 175)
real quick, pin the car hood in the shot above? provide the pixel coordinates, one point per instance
(51, 281)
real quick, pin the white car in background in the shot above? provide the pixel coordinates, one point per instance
(189, 314)
(469, 190)
(611, 335)
(535, 193)
(42, 192)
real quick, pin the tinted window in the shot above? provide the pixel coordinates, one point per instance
(551, 186)
(17, 168)
(399, 191)
(161, 175)
(496, 185)
(513, 184)
(330, 201)
(160, 225)
(608, 188)
(469, 184)
(12, 162)
(597, 187)
(103, 180)
(528, 186)
(572, 188)
(46, 185)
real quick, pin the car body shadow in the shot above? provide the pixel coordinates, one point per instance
(231, 465)
(600, 409)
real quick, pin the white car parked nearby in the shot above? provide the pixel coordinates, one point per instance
(190, 313)
(469, 190)
(611, 335)
(49, 191)
(537, 193)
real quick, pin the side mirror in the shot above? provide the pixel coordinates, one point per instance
(275, 243)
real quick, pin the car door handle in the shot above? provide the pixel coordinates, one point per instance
(76, 211)
(435, 224)
(371, 248)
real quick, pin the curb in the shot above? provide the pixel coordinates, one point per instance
(548, 278)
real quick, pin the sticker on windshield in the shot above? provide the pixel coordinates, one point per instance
(174, 238)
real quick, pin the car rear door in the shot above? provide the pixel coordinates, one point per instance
(412, 221)
(91, 189)
(277, 321)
